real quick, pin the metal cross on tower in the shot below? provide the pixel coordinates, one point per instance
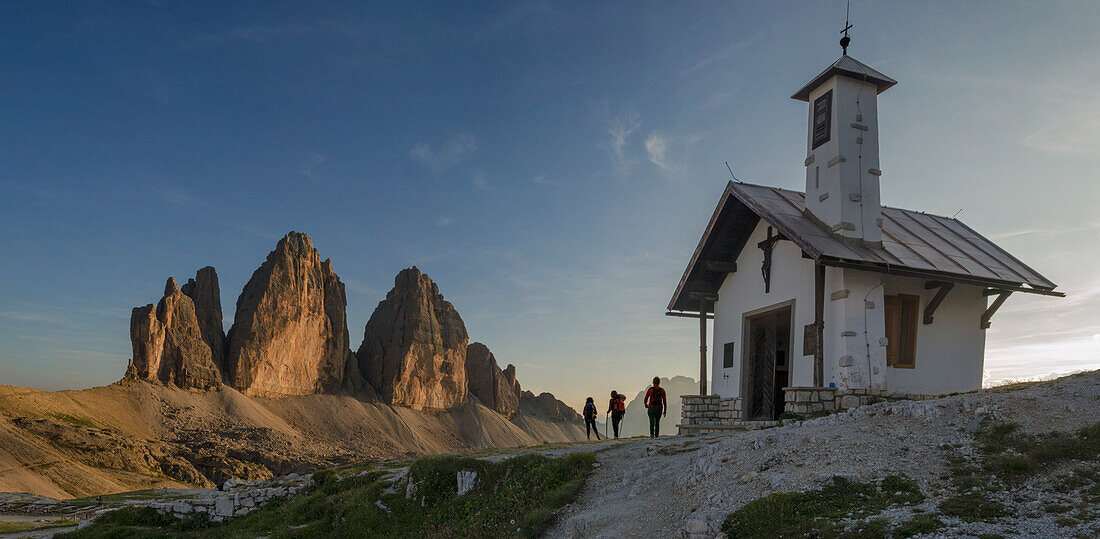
(844, 41)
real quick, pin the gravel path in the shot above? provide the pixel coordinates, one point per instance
(684, 486)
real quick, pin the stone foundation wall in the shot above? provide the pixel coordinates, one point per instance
(709, 410)
(809, 400)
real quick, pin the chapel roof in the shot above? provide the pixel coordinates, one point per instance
(849, 67)
(914, 243)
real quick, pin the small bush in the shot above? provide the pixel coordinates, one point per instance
(920, 524)
(818, 512)
(325, 476)
(972, 507)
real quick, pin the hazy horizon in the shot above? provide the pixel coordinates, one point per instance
(551, 165)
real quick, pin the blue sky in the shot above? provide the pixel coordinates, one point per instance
(551, 165)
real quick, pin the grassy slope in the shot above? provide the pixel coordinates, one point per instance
(515, 497)
(313, 429)
(1007, 457)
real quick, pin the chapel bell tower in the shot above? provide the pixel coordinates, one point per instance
(842, 170)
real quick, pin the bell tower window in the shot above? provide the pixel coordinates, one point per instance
(823, 107)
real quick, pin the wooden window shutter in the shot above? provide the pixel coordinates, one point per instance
(893, 330)
(901, 312)
(823, 108)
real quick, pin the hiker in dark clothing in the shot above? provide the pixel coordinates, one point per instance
(590, 419)
(656, 405)
(617, 409)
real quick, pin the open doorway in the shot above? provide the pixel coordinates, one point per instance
(768, 362)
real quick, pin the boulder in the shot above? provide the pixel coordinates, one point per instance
(204, 293)
(289, 334)
(488, 383)
(168, 346)
(414, 346)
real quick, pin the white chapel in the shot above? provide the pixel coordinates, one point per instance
(823, 300)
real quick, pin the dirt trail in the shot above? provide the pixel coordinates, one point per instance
(685, 486)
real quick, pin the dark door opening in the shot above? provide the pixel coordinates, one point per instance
(769, 358)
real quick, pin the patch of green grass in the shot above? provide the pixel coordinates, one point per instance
(12, 527)
(74, 420)
(518, 496)
(917, 525)
(972, 507)
(1012, 454)
(818, 513)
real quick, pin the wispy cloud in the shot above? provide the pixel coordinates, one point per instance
(656, 147)
(310, 169)
(176, 195)
(31, 317)
(1075, 131)
(362, 288)
(444, 221)
(619, 130)
(724, 54)
(451, 153)
(479, 180)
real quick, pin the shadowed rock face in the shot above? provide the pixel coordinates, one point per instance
(547, 406)
(488, 383)
(510, 376)
(168, 345)
(414, 346)
(289, 334)
(203, 291)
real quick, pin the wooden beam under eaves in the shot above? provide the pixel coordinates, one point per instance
(988, 314)
(721, 266)
(933, 304)
(707, 296)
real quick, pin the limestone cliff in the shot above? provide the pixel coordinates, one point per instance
(204, 293)
(414, 346)
(488, 383)
(168, 346)
(289, 334)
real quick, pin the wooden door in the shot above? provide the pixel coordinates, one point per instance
(762, 333)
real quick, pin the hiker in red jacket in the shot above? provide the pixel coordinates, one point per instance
(617, 409)
(656, 404)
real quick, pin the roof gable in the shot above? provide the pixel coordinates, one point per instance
(913, 243)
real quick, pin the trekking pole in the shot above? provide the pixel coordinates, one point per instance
(605, 417)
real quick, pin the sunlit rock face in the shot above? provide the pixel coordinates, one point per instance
(289, 334)
(168, 347)
(414, 346)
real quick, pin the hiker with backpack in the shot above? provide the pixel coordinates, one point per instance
(590, 419)
(617, 409)
(656, 404)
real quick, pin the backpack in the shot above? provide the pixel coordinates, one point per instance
(590, 411)
(617, 404)
(657, 397)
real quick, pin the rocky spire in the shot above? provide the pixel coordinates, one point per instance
(289, 334)
(414, 346)
(168, 345)
(488, 383)
(203, 291)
